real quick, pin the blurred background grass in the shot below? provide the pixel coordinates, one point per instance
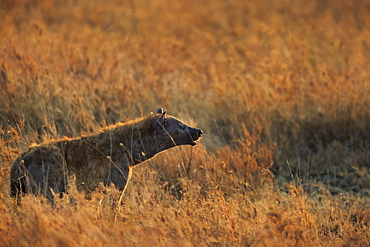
(294, 72)
(280, 85)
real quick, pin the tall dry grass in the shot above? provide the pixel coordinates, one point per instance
(281, 89)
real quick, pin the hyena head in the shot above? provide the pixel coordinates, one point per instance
(171, 132)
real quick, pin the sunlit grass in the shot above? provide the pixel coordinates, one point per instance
(281, 90)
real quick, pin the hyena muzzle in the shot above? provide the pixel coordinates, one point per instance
(106, 156)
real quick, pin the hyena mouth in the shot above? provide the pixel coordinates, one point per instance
(199, 133)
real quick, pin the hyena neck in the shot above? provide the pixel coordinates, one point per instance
(146, 147)
(141, 138)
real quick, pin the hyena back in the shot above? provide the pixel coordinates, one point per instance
(106, 156)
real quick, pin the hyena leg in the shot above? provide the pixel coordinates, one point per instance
(129, 174)
(120, 178)
(19, 179)
(49, 180)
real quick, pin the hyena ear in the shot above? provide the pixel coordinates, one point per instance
(160, 111)
(162, 118)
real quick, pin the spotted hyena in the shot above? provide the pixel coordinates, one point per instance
(107, 156)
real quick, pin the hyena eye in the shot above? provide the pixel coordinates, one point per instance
(182, 127)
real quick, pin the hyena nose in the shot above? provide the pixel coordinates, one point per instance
(200, 132)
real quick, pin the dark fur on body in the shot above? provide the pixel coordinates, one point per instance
(106, 156)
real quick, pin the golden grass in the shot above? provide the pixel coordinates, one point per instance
(281, 89)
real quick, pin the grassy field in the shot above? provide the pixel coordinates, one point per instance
(280, 88)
